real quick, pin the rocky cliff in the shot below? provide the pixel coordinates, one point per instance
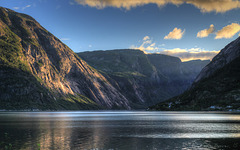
(38, 71)
(217, 87)
(227, 55)
(144, 79)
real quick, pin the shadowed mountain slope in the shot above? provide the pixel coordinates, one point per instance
(144, 79)
(217, 87)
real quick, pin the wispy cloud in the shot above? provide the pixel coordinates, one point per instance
(176, 34)
(146, 38)
(206, 32)
(16, 8)
(22, 8)
(228, 31)
(147, 45)
(64, 39)
(27, 6)
(219, 6)
(190, 54)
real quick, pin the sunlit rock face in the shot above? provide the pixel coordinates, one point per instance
(39, 70)
(144, 79)
(217, 87)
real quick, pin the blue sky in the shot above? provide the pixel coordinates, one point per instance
(189, 29)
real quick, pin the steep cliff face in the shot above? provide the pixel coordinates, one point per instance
(29, 53)
(144, 79)
(217, 87)
(227, 55)
(178, 75)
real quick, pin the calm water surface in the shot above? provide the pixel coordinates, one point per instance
(120, 130)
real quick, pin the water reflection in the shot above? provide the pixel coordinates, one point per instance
(121, 130)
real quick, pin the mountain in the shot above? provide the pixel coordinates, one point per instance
(144, 79)
(217, 87)
(38, 71)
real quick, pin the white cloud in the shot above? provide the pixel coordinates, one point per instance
(27, 6)
(90, 45)
(64, 39)
(147, 45)
(219, 6)
(190, 54)
(146, 38)
(176, 34)
(23, 8)
(228, 31)
(206, 32)
(16, 8)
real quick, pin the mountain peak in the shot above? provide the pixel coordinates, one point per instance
(225, 56)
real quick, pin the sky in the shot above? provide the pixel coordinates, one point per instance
(189, 29)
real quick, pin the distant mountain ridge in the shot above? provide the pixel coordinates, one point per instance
(217, 87)
(144, 79)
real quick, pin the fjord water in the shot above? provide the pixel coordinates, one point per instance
(120, 130)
